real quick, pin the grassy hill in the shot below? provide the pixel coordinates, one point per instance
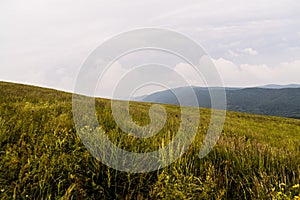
(41, 156)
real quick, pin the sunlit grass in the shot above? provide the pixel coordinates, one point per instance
(41, 156)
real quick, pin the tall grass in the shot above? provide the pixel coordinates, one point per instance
(41, 156)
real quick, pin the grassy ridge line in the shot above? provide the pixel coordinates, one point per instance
(43, 158)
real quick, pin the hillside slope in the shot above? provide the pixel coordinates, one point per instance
(284, 102)
(41, 156)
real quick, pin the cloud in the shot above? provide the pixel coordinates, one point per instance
(233, 54)
(189, 74)
(121, 82)
(45, 42)
(184, 74)
(253, 75)
(243, 52)
(249, 51)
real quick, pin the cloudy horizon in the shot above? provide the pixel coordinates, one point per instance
(251, 43)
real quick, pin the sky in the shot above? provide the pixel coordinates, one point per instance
(250, 42)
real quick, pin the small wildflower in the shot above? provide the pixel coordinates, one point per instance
(71, 176)
(2, 190)
(295, 186)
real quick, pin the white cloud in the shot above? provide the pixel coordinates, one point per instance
(189, 74)
(253, 75)
(243, 52)
(42, 37)
(233, 53)
(249, 51)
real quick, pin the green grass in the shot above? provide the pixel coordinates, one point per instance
(41, 156)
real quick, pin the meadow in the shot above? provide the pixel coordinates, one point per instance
(42, 157)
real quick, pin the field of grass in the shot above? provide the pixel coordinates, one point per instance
(42, 157)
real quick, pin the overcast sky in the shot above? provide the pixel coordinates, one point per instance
(251, 42)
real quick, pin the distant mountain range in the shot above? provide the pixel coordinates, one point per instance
(275, 100)
(274, 86)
